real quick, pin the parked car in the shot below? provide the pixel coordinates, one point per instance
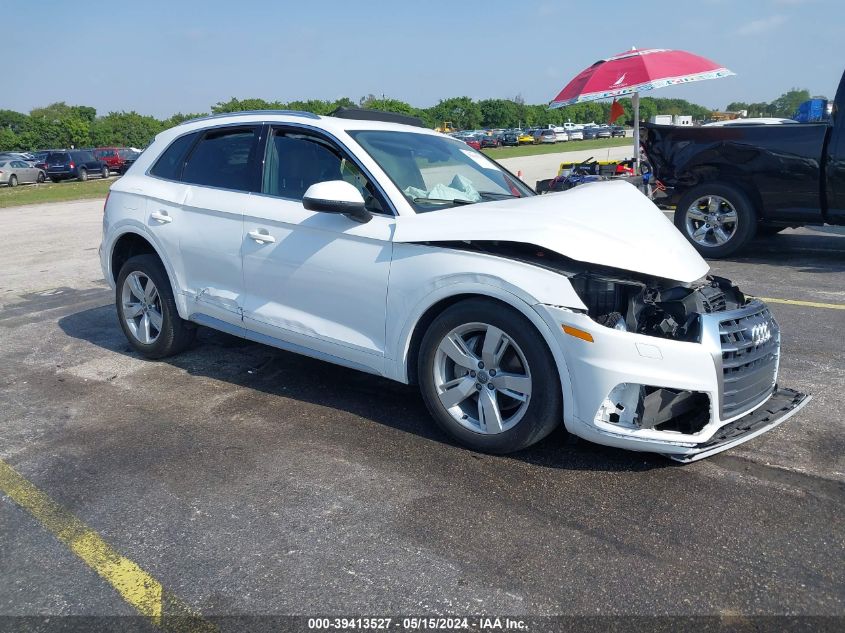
(603, 132)
(510, 139)
(561, 135)
(728, 183)
(617, 130)
(492, 140)
(575, 135)
(14, 172)
(395, 250)
(589, 133)
(473, 141)
(79, 164)
(24, 156)
(545, 136)
(111, 157)
(526, 136)
(128, 156)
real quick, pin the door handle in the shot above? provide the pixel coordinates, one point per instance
(261, 236)
(161, 217)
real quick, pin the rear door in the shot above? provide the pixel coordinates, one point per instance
(200, 217)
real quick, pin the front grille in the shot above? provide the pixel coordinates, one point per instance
(750, 346)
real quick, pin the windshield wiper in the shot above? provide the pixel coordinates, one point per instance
(497, 194)
(444, 200)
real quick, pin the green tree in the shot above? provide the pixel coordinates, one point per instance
(8, 140)
(125, 129)
(786, 104)
(14, 121)
(499, 113)
(462, 111)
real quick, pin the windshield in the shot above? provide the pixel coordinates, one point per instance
(436, 172)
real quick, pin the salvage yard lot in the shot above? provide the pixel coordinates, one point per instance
(250, 480)
(53, 192)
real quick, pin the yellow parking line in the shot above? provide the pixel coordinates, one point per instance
(808, 304)
(136, 586)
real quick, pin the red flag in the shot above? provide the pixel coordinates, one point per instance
(616, 111)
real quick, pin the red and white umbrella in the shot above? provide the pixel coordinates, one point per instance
(636, 71)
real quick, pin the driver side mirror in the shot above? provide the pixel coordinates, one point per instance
(337, 196)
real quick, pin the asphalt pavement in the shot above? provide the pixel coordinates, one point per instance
(247, 480)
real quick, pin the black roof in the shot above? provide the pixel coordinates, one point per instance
(364, 114)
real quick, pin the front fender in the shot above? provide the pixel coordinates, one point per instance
(423, 276)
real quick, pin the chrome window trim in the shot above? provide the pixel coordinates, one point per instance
(266, 126)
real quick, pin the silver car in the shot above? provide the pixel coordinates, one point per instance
(15, 172)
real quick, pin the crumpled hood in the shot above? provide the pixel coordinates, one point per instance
(605, 223)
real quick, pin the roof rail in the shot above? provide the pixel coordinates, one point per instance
(302, 113)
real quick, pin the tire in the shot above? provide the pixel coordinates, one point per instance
(105, 173)
(82, 174)
(41, 178)
(166, 332)
(517, 422)
(13, 181)
(54, 179)
(711, 206)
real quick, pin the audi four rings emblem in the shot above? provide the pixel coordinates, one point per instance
(760, 333)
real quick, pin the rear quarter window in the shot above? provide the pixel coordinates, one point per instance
(169, 164)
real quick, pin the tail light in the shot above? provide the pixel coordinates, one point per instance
(72, 165)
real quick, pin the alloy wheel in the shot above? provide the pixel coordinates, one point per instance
(482, 378)
(141, 307)
(711, 221)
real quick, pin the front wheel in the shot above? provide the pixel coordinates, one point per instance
(147, 311)
(717, 219)
(13, 181)
(105, 173)
(83, 174)
(40, 179)
(488, 377)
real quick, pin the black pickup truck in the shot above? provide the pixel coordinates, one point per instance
(729, 183)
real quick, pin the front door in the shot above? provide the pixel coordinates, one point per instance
(316, 280)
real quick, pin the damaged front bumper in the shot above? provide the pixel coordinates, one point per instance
(783, 404)
(685, 400)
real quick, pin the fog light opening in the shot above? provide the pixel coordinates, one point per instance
(635, 406)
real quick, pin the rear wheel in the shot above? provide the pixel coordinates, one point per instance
(83, 174)
(488, 377)
(717, 219)
(104, 173)
(41, 178)
(54, 179)
(13, 181)
(147, 311)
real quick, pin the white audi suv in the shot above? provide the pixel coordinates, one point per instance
(401, 252)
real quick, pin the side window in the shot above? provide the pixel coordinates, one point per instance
(169, 164)
(295, 161)
(223, 158)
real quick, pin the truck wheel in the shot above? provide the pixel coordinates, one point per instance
(83, 174)
(105, 173)
(717, 219)
(488, 377)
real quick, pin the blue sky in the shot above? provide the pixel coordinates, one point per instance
(162, 57)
